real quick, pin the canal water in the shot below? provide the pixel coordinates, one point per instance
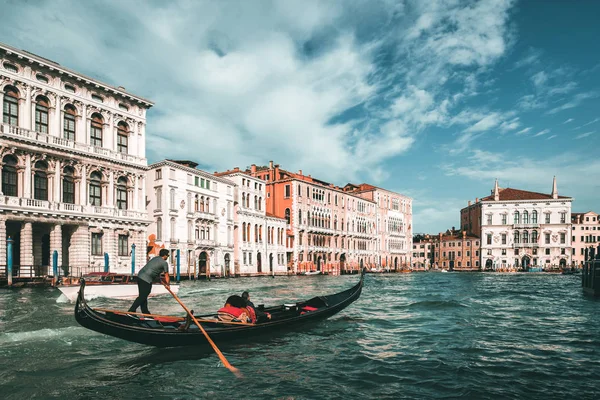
(409, 336)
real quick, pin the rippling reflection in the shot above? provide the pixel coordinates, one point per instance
(480, 336)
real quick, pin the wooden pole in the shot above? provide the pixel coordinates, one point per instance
(230, 367)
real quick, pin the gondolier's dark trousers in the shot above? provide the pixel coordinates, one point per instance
(144, 289)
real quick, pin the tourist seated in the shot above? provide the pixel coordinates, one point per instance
(255, 315)
(234, 311)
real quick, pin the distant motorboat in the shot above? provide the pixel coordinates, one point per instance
(108, 284)
(311, 273)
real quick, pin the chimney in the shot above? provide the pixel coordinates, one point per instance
(299, 172)
(253, 168)
(469, 203)
(496, 191)
(554, 189)
(476, 200)
(270, 164)
(276, 177)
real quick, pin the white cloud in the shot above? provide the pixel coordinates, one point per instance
(541, 133)
(584, 135)
(552, 137)
(569, 120)
(523, 131)
(574, 102)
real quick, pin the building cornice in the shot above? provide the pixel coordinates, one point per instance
(198, 172)
(52, 66)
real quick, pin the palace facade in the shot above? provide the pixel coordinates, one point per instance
(259, 236)
(521, 229)
(328, 228)
(586, 234)
(192, 211)
(73, 160)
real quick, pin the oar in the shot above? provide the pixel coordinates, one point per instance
(214, 346)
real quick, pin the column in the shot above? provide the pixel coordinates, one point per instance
(111, 189)
(27, 177)
(32, 114)
(143, 207)
(56, 243)
(81, 134)
(142, 141)
(136, 201)
(57, 169)
(3, 242)
(26, 245)
(83, 186)
(27, 113)
(58, 117)
(79, 251)
(110, 141)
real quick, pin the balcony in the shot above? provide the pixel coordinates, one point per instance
(33, 205)
(45, 140)
(205, 242)
(526, 226)
(526, 245)
(202, 215)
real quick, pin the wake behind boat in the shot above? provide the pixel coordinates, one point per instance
(174, 331)
(311, 273)
(107, 284)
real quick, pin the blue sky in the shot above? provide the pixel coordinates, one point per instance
(433, 99)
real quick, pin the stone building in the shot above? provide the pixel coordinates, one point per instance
(259, 236)
(457, 251)
(423, 252)
(72, 154)
(328, 228)
(192, 211)
(393, 224)
(586, 234)
(521, 230)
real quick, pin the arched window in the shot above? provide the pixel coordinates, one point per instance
(534, 236)
(517, 237)
(9, 176)
(172, 202)
(202, 204)
(243, 199)
(41, 114)
(96, 130)
(69, 122)
(308, 221)
(122, 137)
(256, 233)
(10, 106)
(95, 188)
(196, 203)
(172, 229)
(40, 181)
(244, 232)
(259, 203)
(525, 236)
(255, 203)
(287, 216)
(260, 233)
(248, 232)
(534, 217)
(122, 193)
(68, 185)
(525, 217)
(299, 216)
(517, 218)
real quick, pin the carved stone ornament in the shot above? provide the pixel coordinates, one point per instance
(223, 212)
(182, 204)
(555, 238)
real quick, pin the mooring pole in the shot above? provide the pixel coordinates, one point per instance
(55, 265)
(178, 265)
(9, 260)
(133, 259)
(106, 258)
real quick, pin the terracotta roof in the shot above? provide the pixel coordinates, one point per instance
(509, 194)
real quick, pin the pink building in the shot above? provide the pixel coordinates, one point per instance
(586, 234)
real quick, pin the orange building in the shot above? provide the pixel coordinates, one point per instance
(457, 251)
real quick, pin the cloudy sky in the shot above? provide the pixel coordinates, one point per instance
(433, 99)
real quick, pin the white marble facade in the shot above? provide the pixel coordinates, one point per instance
(192, 211)
(524, 230)
(72, 154)
(260, 238)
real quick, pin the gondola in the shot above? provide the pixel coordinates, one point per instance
(169, 331)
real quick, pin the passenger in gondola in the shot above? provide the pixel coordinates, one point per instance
(234, 311)
(256, 315)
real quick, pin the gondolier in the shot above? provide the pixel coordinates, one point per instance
(152, 270)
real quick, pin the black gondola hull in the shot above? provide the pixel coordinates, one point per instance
(171, 335)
